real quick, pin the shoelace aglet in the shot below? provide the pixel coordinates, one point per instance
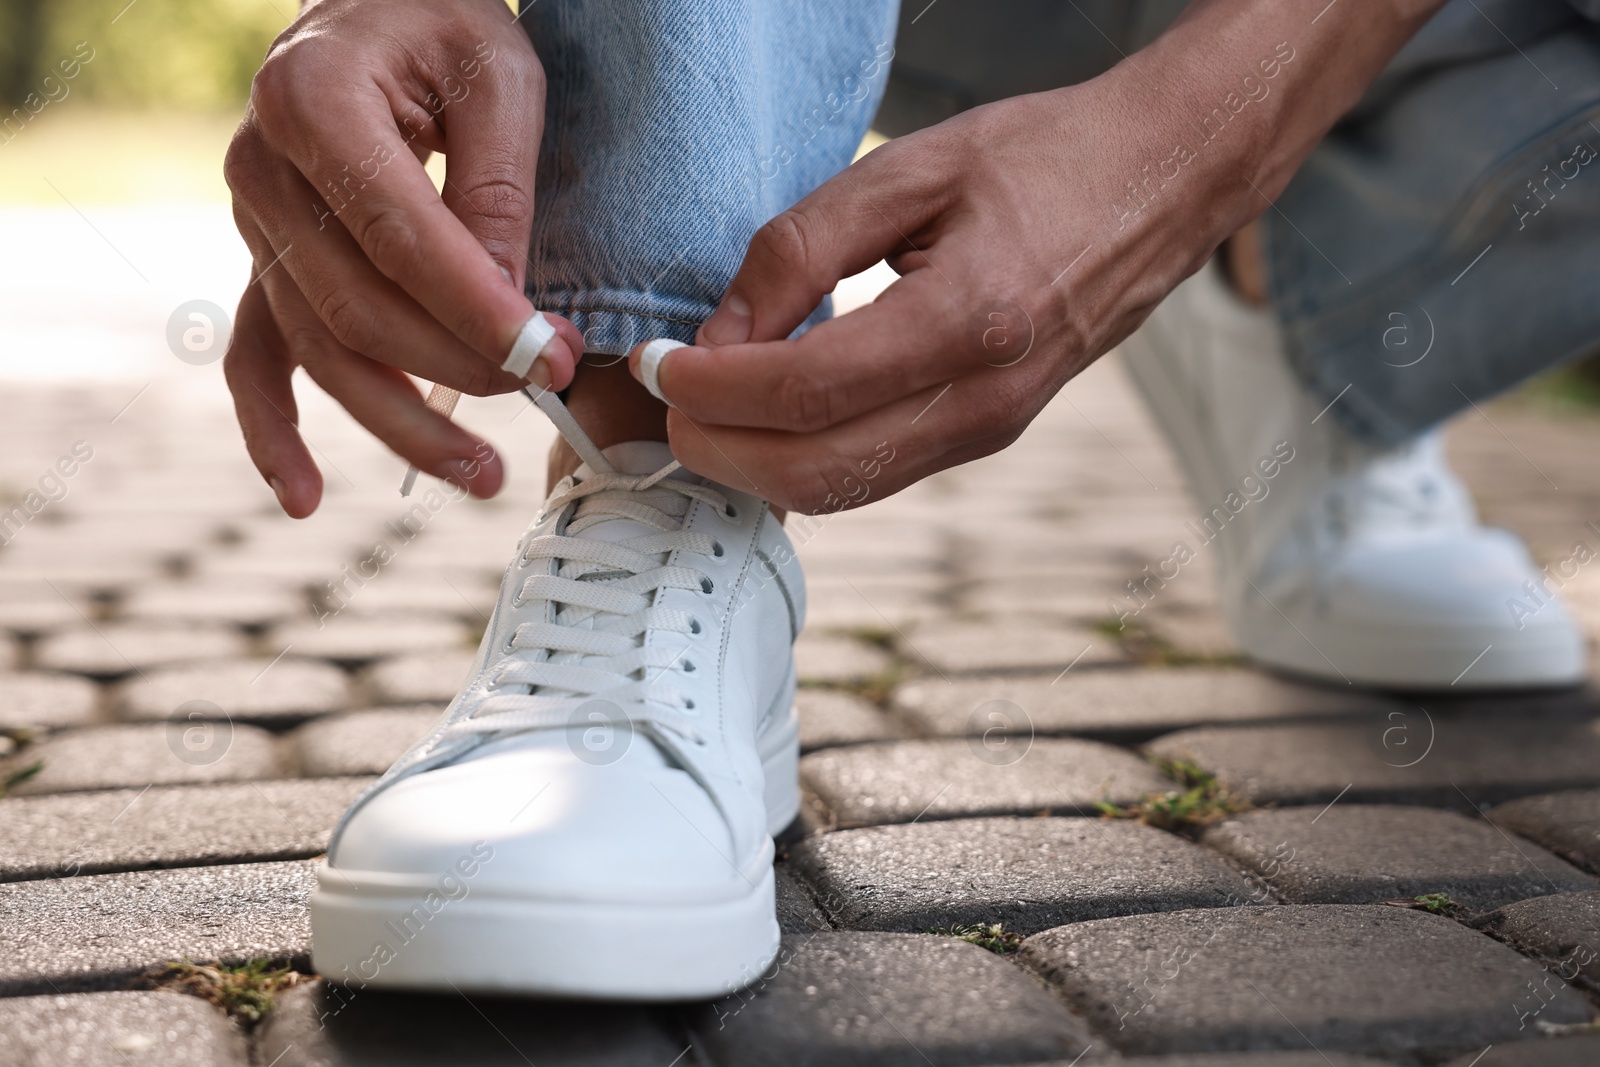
(441, 398)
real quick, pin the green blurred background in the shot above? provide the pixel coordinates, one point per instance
(148, 117)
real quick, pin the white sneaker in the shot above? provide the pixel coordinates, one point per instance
(593, 815)
(1358, 564)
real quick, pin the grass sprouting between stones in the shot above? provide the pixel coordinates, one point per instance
(17, 777)
(992, 936)
(1152, 650)
(1203, 800)
(874, 689)
(1437, 903)
(247, 991)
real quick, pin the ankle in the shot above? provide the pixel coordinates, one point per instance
(611, 407)
(1244, 265)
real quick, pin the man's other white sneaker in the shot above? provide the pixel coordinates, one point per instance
(1359, 564)
(593, 816)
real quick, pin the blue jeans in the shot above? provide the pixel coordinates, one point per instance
(1443, 242)
(1440, 245)
(673, 130)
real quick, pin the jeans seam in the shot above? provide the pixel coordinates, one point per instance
(637, 314)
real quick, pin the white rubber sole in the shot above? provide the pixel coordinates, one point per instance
(376, 929)
(364, 936)
(1399, 657)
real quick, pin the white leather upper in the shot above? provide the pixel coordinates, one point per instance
(666, 799)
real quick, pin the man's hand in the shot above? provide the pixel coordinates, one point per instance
(1031, 236)
(361, 271)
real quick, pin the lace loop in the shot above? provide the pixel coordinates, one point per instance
(581, 624)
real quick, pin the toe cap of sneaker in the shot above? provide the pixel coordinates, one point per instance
(545, 824)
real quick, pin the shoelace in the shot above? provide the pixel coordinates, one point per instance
(1401, 490)
(594, 647)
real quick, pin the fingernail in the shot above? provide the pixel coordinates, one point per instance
(731, 323)
(539, 374)
(278, 490)
(508, 276)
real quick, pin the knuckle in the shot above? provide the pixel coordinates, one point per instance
(350, 318)
(496, 195)
(803, 403)
(784, 239)
(805, 489)
(244, 162)
(306, 346)
(479, 378)
(389, 240)
(278, 86)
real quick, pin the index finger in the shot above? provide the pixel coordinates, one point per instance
(912, 337)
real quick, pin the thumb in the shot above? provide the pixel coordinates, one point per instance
(801, 255)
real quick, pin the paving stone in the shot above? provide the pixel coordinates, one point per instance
(884, 1000)
(248, 690)
(1303, 1058)
(34, 700)
(170, 826)
(1194, 633)
(74, 934)
(899, 781)
(798, 913)
(1079, 596)
(49, 612)
(1120, 704)
(318, 1025)
(360, 742)
(119, 1029)
(1578, 1051)
(1356, 978)
(838, 660)
(110, 650)
(1568, 823)
(136, 755)
(1365, 854)
(353, 639)
(424, 678)
(1027, 874)
(212, 600)
(871, 603)
(1006, 645)
(829, 717)
(416, 592)
(1402, 757)
(1561, 929)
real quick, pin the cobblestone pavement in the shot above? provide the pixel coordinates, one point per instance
(198, 686)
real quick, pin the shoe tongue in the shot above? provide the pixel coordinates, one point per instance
(638, 457)
(630, 457)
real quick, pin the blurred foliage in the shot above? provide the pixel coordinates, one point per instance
(1573, 388)
(186, 54)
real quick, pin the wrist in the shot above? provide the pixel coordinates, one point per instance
(1244, 90)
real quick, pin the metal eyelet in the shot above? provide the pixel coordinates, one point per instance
(688, 704)
(716, 549)
(688, 666)
(695, 629)
(729, 511)
(707, 586)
